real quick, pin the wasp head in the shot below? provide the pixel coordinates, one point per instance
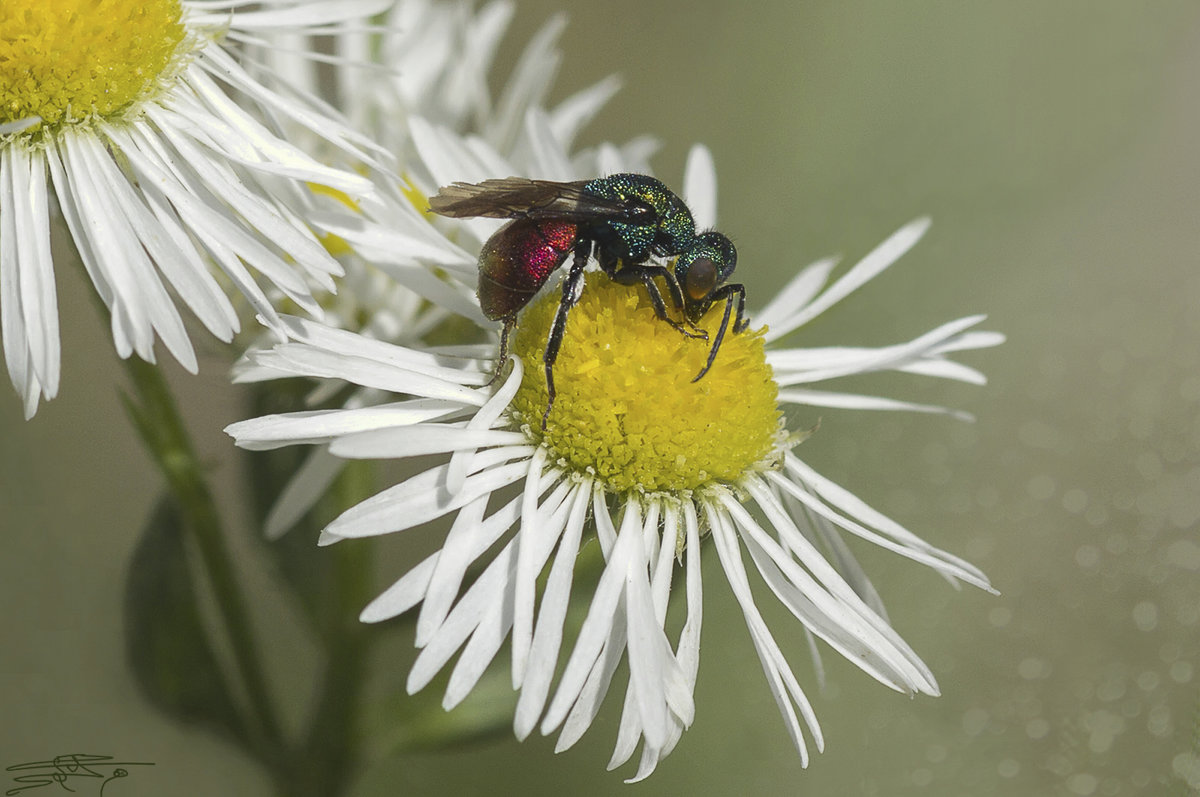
(702, 268)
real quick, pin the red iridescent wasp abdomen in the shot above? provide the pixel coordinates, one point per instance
(516, 262)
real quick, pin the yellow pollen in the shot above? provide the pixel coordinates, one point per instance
(70, 60)
(627, 409)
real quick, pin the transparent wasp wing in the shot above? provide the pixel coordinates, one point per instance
(520, 197)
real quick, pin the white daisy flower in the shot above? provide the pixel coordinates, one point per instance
(435, 60)
(637, 459)
(158, 174)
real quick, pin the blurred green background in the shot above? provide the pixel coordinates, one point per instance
(1057, 147)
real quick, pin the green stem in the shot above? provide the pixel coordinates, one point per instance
(330, 751)
(162, 428)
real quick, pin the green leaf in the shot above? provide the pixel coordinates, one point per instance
(168, 649)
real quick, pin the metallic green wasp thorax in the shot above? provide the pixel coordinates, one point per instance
(673, 229)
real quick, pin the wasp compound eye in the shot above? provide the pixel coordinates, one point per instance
(701, 278)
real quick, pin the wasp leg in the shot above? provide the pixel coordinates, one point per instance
(572, 286)
(502, 357)
(731, 294)
(646, 274)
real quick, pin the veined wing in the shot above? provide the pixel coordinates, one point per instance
(520, 197)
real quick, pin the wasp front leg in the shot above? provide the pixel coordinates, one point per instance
(572, 287)
(730, 293)
(631, 275)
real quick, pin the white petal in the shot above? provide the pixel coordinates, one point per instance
(303, 14)
(529, 83)
(486, 640)
(526, 576)
(798, 366)
(779, 676)
(596, 627)
(488, 414)
(39, 302)
(421, 440)
(423, 498)
(870, 266)
(850, 401)
(573, 113)
(301, 493)
(700, 186)
(897, 539)
(548, 633)
(406, 593)
(793, 298)
(16, 342)
(321, 426)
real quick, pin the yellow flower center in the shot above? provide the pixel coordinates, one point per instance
(627, 409)
(69, 60)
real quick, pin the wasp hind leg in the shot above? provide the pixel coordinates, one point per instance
(502, 357)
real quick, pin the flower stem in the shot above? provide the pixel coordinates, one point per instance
(162, 428)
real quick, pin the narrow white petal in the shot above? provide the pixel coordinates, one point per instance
(779, 675)
(529, 83)
(911, 545)
(265, 219)
(591, 696)
(866, 269)
(321, 426)
(301, 493)
(777, 315)
(459, 550)
(222, 64)
(797, 366)
(221, 235)
(822, 534)
(486, 594)
(700, 186)
(548, 633)
(483, 616)
(547, 158)
(851, 401)
(840, 619)
(597, 625)
(653, 671)
(406, 593)
(141, 305)
(21, 124)
(486, 640)
(309, 361)
(487, 415)
(481, 649)
(420, 499)
(526, 577)
(467, 541)
(305, 14)
(421, 440)
(348, 343)
(16, 344)
(39, 302)
(572, 114)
